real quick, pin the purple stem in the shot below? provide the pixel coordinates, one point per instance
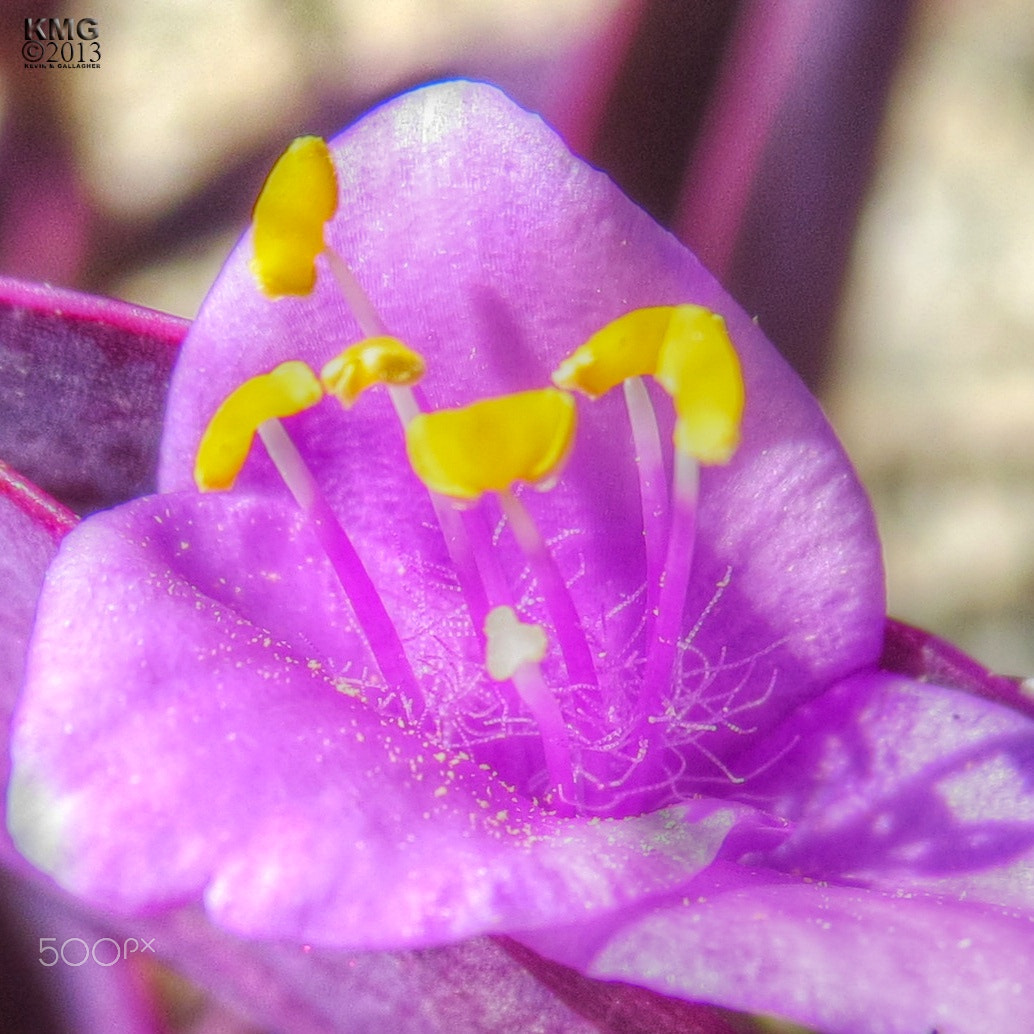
(652, 488)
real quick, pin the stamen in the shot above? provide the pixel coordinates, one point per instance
(489, 446)
(299, 196)
(255, 407)
(289, 389)
(687, 349)
(625, 351)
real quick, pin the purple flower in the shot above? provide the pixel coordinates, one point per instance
(777, 825)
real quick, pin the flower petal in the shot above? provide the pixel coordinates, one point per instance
(839, 959)
(907, 786)
(220, 740)
(30, 527)
(907, 870)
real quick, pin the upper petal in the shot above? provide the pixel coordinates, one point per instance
(486, 246)
(83, 381)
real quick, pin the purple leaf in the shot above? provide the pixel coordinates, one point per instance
(83, 381)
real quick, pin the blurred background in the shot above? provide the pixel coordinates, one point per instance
(877, 214)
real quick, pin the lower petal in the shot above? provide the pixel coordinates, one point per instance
(840, 959)
(907, 786)
(188, 731)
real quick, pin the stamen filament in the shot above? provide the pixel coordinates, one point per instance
(532, 689)
(653, 491)
(369, 320)
(404, 399)
(373, 619)
(674, 584)
(487, 572)
(570, 635)
(293, 470)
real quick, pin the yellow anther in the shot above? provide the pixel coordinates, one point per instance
(490, 445)
(687, 349)
(376, 360)
(627, 347)
(511, 643)
(299, 196)
(700, 369)
(290, 388)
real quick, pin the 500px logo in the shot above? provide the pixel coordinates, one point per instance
(61, 43)
(106, 951)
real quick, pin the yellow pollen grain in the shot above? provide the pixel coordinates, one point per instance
(626, 347)
(698, 366)
(687, 350)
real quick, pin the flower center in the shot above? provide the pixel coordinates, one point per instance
(485, 450)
